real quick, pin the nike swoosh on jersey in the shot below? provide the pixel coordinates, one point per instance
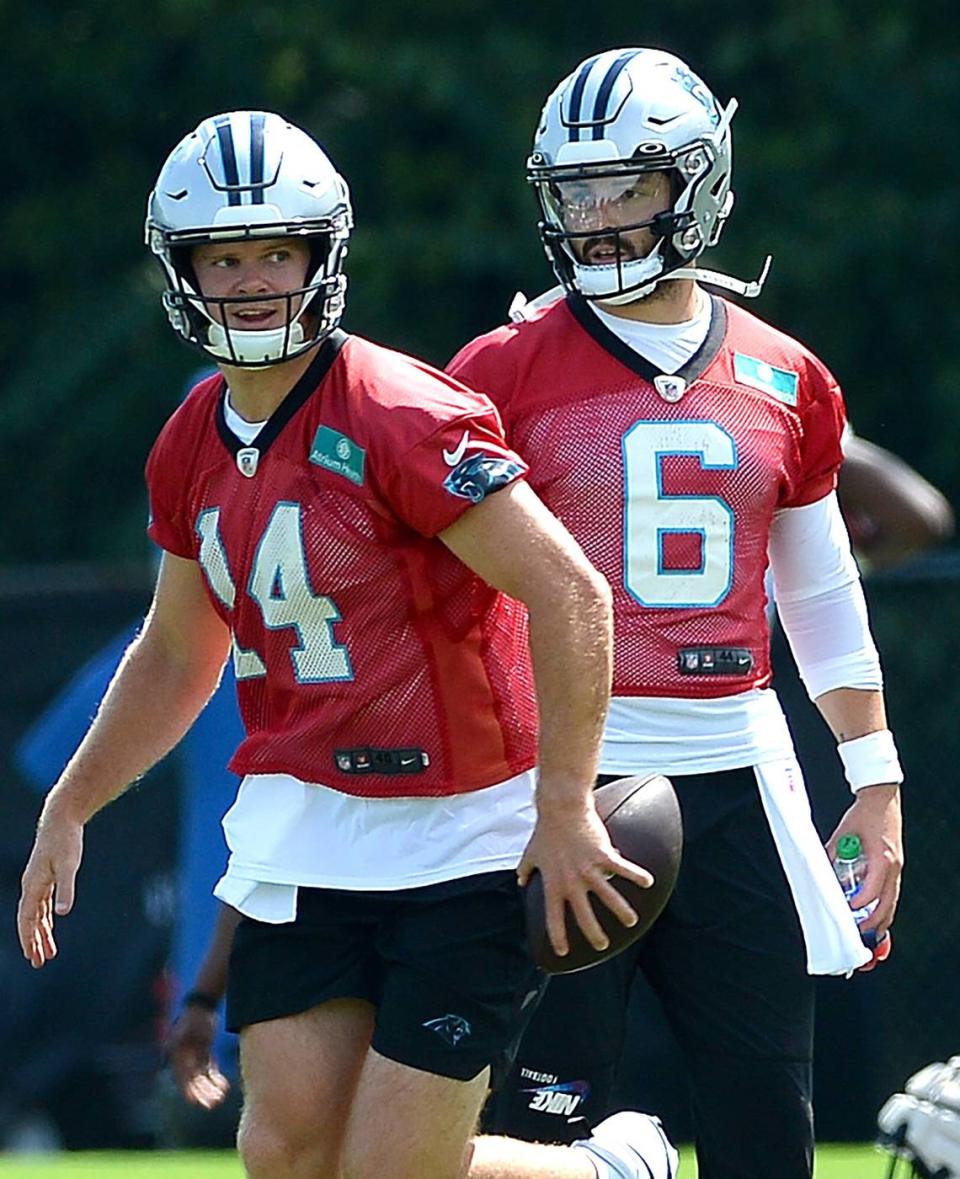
(452, 457)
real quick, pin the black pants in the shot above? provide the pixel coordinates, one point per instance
(726, 960)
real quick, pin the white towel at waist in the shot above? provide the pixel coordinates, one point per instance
(829, 930)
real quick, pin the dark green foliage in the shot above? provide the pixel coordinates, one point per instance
(846, 170)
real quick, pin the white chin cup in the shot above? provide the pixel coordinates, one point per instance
(619, 283)
(254, 347)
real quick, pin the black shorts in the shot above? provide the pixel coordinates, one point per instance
(445, 965)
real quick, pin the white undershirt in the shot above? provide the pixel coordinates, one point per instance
(283, 833)
(668, 346)
(244, 430)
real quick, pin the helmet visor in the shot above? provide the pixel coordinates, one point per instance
(592, 204)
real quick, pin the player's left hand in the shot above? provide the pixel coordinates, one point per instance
(571, 850)
(47, 885)
(875, 816)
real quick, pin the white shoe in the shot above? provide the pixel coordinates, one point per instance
(632, 1146)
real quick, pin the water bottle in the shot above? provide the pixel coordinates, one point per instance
(851, 869)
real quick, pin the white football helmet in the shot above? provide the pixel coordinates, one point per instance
(243, 175)
(921, 1126)
(620, 114)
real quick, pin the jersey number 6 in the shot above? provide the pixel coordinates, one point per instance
(650, 515)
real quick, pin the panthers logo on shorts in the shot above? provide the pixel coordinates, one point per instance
(451, 1028)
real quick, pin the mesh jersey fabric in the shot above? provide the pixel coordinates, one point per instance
(354, 627)
(672, 499)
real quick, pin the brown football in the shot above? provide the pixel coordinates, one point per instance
(642, 816)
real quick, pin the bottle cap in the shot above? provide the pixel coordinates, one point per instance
(849, 847)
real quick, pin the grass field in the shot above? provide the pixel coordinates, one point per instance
(833, 1162)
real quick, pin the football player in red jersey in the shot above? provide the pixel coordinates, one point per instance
(681, 440)
(352, 526)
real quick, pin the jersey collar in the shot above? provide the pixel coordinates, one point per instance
(318, 368)
(694, 368)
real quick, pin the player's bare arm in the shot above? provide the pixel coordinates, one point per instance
(516, 545)
(875, 814)
(166, 676)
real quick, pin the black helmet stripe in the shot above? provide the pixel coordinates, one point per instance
(256, 158)
(603, 94)
(230, 174)
(576, 98)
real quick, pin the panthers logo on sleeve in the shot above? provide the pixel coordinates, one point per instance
(479, 475)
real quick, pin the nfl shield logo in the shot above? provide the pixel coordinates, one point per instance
(247, 459)
(670, 388)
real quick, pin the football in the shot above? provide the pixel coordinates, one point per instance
(642, 817)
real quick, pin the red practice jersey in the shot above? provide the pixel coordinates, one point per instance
(367, 656)
(669, 483)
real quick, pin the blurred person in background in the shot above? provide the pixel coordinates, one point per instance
(891, 511)
(349, 523)
(685, 443)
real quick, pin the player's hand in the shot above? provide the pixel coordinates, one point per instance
(875, 816)
(47, 885)
(572, 851)
(190, 1048)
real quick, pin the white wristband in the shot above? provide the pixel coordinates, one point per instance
(871, 760)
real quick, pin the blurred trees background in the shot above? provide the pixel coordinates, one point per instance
(846, 170)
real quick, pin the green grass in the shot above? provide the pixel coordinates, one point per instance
(205, 1164)
(126, 1164)
(833, 1162)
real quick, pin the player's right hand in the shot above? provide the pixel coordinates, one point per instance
(47, 886)
(191, 1058)
(573, 854)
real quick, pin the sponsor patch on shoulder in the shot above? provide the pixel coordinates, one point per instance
(336, 452)
(778, 382)
(477, 476)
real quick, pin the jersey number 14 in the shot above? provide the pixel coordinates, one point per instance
(280, 586)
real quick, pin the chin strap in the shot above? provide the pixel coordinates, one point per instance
(522, 308)
(727, 282)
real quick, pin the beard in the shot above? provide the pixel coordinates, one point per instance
(644, 297)
(658, 295)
